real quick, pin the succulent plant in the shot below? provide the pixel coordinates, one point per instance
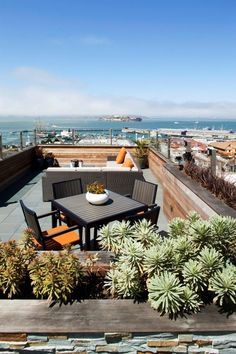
(112, 237)
(165, 293)
(210, 260)
(181, 271)
(123, 281)
(200, 232)
(177, 227)
(194, 276)
(132, 254)
(192, 301)
(96, 188)
(146, 233)
(223, 283)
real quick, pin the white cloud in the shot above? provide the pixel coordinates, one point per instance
(41, 95)
(35, 75)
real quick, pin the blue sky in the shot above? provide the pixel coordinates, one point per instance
(162, 58)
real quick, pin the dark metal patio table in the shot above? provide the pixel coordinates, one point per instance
(88, 215)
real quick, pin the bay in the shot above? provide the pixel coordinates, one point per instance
(11, 126)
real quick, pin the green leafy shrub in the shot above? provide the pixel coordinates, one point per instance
(166, 293)
(178, 273)
(223, 284)
(14, 261)
(55, 276)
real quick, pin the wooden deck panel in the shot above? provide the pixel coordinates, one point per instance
(94, 316)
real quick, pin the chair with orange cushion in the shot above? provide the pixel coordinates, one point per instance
(152, 215)
(66, 189)
(52, 239)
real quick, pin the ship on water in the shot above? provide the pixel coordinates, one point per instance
(123, 118)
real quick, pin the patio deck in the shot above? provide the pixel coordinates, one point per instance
(29, 189)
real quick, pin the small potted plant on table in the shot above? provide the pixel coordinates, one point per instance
(96, 193)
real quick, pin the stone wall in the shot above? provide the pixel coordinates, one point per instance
(23, 343)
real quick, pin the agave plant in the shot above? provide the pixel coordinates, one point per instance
(159, 257)
(176, 270)
(223, 283)
(146, 233)
(107, 240)
(112, 237)
(223, 231)
(177, 227)
(200, 233)
(192, 302)
(132, 254)
(123, 281)
(194, 276)
(183, 246)
(165, 293)
(210, 260)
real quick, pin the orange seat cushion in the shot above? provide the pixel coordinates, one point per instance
(121, 155)
(128, 163)
(58, 242)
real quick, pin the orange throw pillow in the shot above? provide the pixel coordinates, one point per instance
(128, 163)
(121, 155)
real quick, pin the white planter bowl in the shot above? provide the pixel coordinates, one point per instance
(97, 199)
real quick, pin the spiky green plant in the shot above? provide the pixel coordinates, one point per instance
(55, 276)
(194, 276)
(14, 261)
(112, 237)
(191, 300)
(157, 258)
(223, 231)
(177, 268)
(192, 217)
(165, 293)
(146, 233)
(210, 260)
(132, 254)
(107, 240)
(123, 281)
(200, 233)
(223, 284)
(183, 250)
(177, 227)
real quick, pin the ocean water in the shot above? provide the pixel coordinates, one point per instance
(11, 126)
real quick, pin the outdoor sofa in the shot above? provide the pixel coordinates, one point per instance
(114, 176)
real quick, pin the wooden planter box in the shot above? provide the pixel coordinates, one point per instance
(94, 316)
(181, 194)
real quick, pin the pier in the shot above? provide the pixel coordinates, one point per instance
(190, 133)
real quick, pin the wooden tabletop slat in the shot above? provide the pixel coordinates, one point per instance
(78, 208)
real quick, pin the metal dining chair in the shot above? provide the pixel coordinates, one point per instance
(151, 214)
(145, 192)
(65, 189)
(52, 239)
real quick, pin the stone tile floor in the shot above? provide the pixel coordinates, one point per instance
(29, 189)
